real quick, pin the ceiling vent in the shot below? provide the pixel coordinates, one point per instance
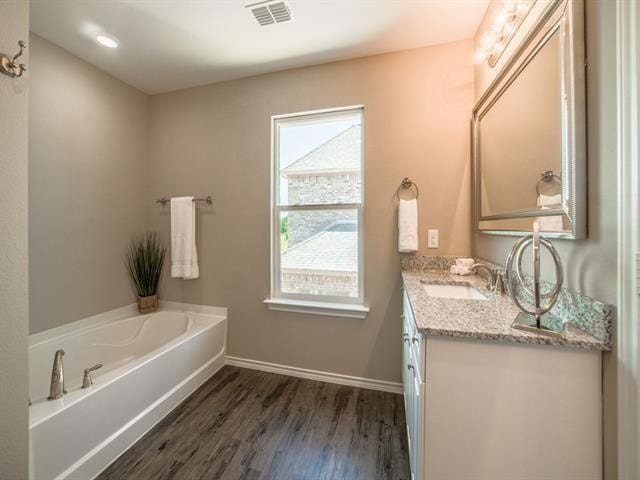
(270, 13)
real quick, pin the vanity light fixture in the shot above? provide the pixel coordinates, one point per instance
(505, 25)
(106, 41)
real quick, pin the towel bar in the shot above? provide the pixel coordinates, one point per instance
(208, 200)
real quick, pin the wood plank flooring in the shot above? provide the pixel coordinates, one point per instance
(249, 425)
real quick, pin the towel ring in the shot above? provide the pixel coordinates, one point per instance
(406, 184)
(546, 177)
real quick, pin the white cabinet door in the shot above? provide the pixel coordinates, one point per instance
(405, 361)
(408, 385)
(413, 390)
(418, 426)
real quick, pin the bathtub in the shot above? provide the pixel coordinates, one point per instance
(151, 363)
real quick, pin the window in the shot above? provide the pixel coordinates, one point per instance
(317, 213)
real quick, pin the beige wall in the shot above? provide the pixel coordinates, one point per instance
(216, 140)
(88, 184)
(14, 293)
(590, 265)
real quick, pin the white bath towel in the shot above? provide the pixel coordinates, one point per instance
(408, 226)
(553, 223)
(184, 257)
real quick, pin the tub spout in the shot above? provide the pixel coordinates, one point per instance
(56, 389)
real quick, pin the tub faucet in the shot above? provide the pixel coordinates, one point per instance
(87, 380)
(56, 389)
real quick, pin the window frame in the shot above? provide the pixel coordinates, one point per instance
(311, 303)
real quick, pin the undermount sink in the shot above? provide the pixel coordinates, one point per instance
(463, 291)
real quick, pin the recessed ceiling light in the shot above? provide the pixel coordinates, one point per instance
(107, 41)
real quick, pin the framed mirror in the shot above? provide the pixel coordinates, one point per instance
(529, 133)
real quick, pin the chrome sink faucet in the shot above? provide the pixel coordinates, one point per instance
(501, 281)
(56, 389)
(496, 279)
(491, 279)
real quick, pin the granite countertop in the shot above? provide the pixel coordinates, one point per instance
(483, 319)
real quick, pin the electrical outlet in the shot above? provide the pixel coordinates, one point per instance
(432, 239)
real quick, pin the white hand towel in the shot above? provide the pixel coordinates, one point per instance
(408, 226)
(464, 262)
(184, 257)
(553, 223)
(460, 270)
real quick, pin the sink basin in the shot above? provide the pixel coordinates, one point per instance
(466, 292)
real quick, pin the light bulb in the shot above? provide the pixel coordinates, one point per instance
(501, 19)
(497, 30)
(522, 6)
(479, 57)
(510, 6)
(488, 40)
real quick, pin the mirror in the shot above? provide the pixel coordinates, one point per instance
(529, 155)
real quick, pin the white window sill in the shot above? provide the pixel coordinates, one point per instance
(318, 308)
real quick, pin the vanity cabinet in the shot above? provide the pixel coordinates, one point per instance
(478, 409)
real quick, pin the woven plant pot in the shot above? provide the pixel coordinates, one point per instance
(148, 304)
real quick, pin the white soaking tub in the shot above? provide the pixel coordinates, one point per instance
(151, 363)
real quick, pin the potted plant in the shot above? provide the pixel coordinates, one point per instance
(144, 261)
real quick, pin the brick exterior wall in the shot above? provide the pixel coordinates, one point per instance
(326, 188)
(318, 189)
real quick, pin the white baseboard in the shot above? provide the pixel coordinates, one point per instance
(369, 383)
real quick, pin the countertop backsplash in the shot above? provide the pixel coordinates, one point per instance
(586, 313)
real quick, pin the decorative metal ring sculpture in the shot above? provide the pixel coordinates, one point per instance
(515, 274)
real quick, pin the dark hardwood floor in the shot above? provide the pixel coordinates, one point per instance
(244, 424)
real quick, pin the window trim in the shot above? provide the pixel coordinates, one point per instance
(307, 303)
(348, 310)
